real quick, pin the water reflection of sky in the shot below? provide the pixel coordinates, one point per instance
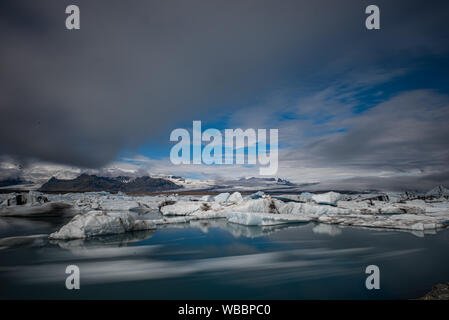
(215, 259)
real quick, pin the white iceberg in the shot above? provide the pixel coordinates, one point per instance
(263, 205)
(329, 198)
(257, 195)
(311, 210)
(181, 208)
(356, 210)
(380, 207)
(118, 205)
(400, 221)
(306, 196)
(187, 208)
(236, 197)
(222, 197)
(153, 224)
(95, 223)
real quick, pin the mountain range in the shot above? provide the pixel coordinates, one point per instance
(92, 183)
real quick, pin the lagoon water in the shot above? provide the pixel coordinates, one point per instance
(218, 260)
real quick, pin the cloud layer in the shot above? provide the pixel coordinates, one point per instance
(135, 71)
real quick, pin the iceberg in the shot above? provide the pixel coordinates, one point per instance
(329, 198)
(118, 205)
(403, 221)
(305, 196)
(105, 214)
(95, 223)
(257, 195)
(311, 210)
(379, 207)
(222, 197)
(181, 208)
(263, 205)
(236, 197)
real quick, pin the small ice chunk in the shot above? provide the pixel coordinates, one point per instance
(288, 197)
(306, 196)
(118, 204)
(311, 209)
(265, 205)
(181, 208)
(257, 195)
(236, 197)
(329, 198)
(222, 197)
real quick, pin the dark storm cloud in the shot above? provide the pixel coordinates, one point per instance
(138, 68)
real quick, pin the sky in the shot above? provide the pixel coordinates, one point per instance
(355, 108)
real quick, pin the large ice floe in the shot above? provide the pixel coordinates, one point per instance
(95, 223)
(102, 213)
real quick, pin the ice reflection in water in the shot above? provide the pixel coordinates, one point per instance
(216, 259)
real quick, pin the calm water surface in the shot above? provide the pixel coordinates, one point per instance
(218, 260)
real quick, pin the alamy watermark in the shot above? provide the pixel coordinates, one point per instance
(219, 151)
(72, 21)
(72, 282)
(373, 280)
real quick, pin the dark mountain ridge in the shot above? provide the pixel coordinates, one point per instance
(93, 183)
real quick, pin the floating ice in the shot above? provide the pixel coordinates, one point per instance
(306, 196)
(104, 213)
(257, 195)
(311, 210)
(222, 197)
(330, 198)
(236, 197)
(263, 205)
(380, 207)
(95, 223)
(181, 208)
